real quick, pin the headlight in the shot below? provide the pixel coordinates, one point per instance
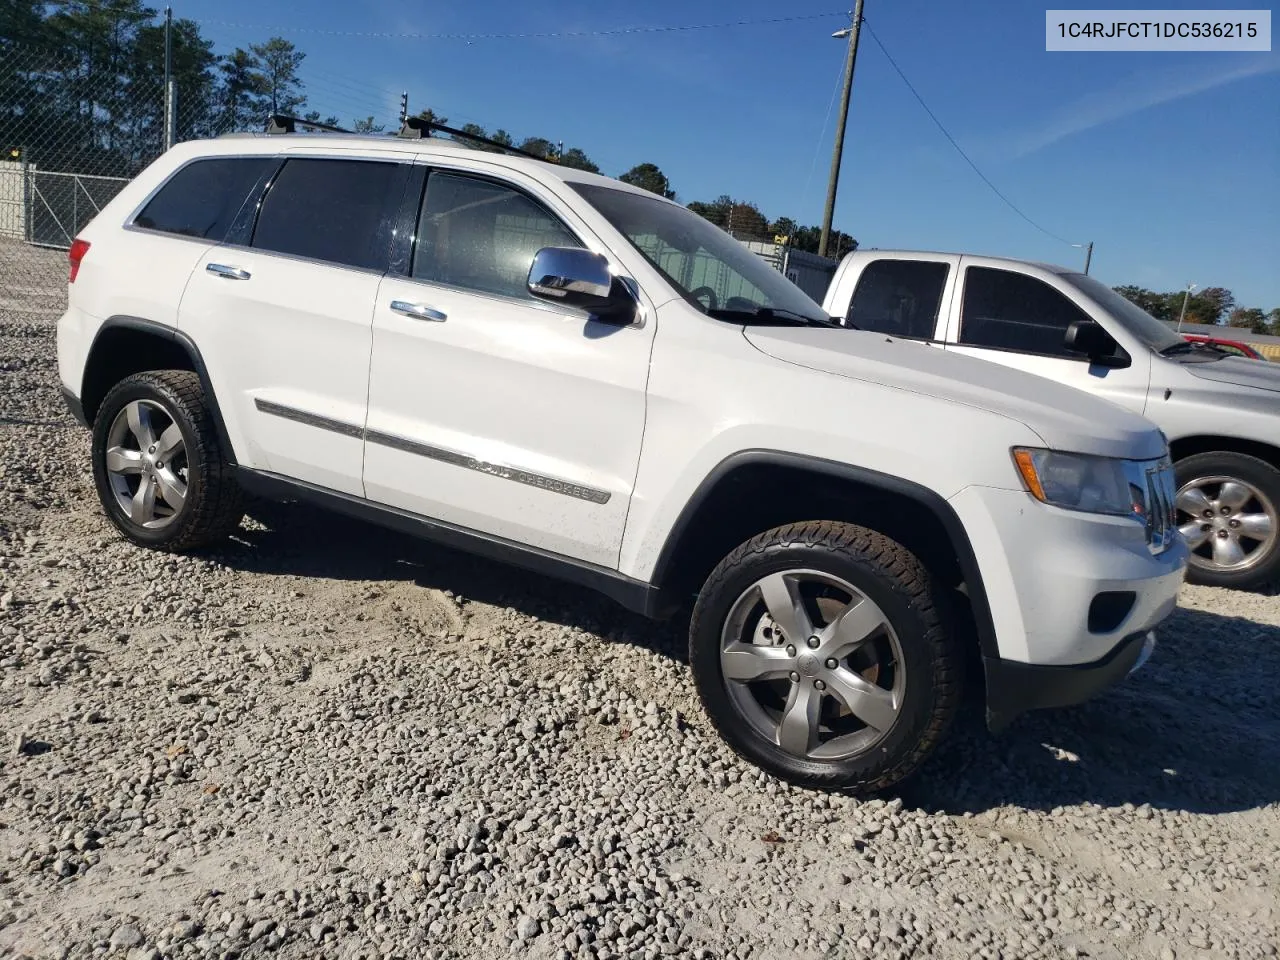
(1079, 482)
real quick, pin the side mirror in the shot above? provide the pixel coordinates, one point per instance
(579, 278)
(1088, 337)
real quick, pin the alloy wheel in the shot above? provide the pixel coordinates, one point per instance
(146, 461)
(813, 665)
(1229, 524)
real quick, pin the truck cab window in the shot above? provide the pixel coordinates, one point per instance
(899, 297)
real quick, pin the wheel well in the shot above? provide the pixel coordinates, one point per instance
(121, 351)
(1185, 447)
(756, 497)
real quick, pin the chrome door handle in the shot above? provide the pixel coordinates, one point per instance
(417, 311)
(231, 273)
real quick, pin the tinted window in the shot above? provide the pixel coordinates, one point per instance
(482, 235)
(335, 210)
(899, 297)
(202, 198)
(1012, 311)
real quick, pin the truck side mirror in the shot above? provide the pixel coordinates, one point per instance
(1088, 337)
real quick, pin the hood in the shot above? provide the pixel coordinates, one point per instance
(1238, 371)
(1065, 418)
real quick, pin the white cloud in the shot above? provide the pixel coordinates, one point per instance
(1138, 93)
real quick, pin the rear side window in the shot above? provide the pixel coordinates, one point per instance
(899, 297)
(340, 211)
(1012, 311)
(202, 198)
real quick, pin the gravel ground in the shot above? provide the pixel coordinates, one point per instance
(326, 740)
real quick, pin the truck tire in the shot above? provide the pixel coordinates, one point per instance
(157, 464)
(821, 655)
(1227, 512)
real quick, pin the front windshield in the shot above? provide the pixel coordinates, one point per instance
(1154, 333)
(710, 269)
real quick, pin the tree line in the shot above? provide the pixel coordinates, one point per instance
(81, 90)
(741, 218)
(1211, 306)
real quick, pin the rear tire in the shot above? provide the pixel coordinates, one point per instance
(158, 467)
(1241, 547)
(821, 655)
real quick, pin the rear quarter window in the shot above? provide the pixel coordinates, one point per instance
(899, 297)
(334, 210)
(202, 198)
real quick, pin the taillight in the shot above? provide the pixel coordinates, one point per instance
(78, 249)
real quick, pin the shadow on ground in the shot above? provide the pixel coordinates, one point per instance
(1197, 729)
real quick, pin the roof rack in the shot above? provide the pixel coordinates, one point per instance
(416, 128)
(283, 123)
(413, 128)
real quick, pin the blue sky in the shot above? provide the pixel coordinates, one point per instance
(1169, 162)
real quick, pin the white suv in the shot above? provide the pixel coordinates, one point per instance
(571, 374)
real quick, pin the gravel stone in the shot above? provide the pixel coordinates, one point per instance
(322, 739)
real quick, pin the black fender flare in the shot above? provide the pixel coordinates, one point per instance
(188, 346)
(927, 499)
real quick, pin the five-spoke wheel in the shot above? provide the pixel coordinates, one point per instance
(146, 461)
(820, 654)
(158, 464)
(813, 664)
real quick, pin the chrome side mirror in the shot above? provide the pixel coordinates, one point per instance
(579, 278)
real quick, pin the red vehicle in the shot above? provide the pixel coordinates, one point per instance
(1228, 346)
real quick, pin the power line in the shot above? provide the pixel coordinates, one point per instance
(817, 147)
(1012, 206)
(549, 35)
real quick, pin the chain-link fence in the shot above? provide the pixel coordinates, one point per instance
(73, 132)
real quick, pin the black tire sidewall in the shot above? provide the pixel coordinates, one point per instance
(912, 629)
(145, 387)
(1257, 473)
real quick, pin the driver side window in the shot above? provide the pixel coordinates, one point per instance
(1005, 310)
(482, 236)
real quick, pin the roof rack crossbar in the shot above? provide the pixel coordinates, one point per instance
(417, 128)
(283, 123)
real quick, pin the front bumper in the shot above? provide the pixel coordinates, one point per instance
(74, 406)
(1013, 688)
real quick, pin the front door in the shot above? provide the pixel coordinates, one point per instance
(1018, 320)
(492, 410)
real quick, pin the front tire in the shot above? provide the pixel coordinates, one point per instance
(820, 655)
(1229, 514)
(158, 467)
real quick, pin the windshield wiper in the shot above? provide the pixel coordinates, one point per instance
(1173, 349)
(769, 313)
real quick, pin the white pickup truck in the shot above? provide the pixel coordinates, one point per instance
(1218, 411)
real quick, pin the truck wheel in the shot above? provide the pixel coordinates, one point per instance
(820, 656)
(160, 473)
(1227, 513)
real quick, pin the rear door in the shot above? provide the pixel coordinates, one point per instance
(904, 298)
(283, 316)
(1019, 320)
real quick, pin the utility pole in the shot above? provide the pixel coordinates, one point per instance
(1185, 297)
(852, 33)
(1088, 257)
(168, 79)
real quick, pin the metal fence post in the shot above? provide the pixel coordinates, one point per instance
(170, 113)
